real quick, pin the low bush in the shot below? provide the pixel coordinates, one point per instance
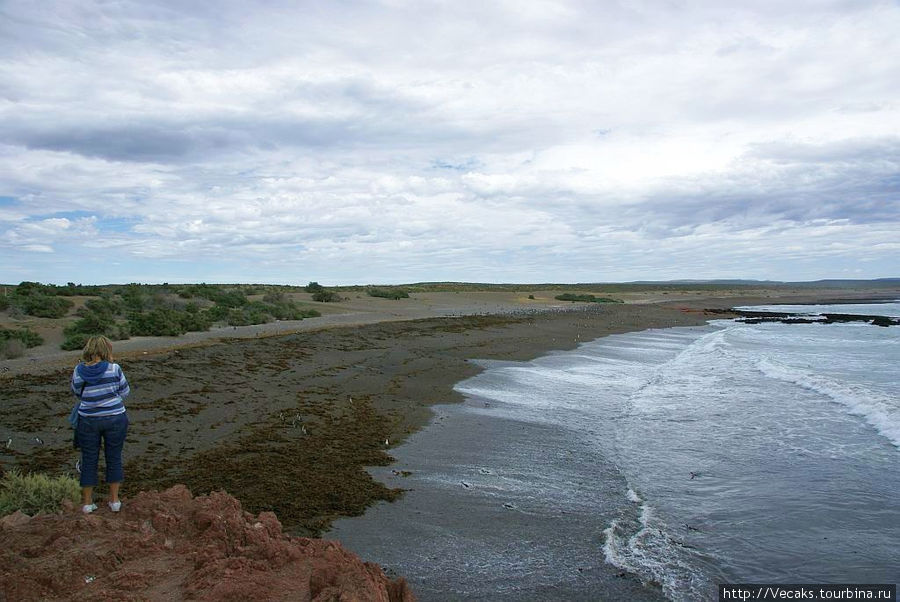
(161, 321)
(97, 317)
(324, 296)
(72, 289)
(251, 314)
(232, 298)
(275, 298)
(314, 287)
(74, 341)
(586, 298)
(388, 293)
(91, 323)
(26, 336)
(195, 321)
(13, 343)
(133, 298)
(34, 493)
(42, 305)
(106, 305)
(11, 349)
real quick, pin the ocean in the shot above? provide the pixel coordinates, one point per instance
(656, 465)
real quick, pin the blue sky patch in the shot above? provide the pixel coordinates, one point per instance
(104, 224)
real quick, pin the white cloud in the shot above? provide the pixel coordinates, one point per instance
(422, 140)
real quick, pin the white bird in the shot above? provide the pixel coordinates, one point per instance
(9, 443)
(38, 440)
(386, 442)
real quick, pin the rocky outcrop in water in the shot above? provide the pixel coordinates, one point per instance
(171, 546)
(758, 317)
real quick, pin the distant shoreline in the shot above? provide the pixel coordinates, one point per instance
(366, 310)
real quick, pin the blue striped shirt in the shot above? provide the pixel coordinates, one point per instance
(102, 389)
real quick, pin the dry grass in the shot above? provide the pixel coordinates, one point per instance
(36, 493)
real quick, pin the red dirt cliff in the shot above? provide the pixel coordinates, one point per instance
(172, 546)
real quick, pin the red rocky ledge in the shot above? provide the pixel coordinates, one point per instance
(172, 546)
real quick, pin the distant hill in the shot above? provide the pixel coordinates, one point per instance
(720, 281)
(643, 285)
(878, 282)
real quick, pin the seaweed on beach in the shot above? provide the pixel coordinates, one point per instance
(307, 471)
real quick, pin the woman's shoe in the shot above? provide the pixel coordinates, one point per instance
(115, 506)
(88, 508)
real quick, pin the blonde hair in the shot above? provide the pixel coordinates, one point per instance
(97, 348)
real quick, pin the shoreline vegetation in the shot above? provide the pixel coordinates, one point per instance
(286, 415)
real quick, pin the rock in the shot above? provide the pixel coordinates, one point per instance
(13, 520)
(170, 545)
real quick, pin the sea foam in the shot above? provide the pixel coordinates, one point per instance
(879, 410)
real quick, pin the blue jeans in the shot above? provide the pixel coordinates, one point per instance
(111, 430)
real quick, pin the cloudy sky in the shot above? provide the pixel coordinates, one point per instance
(393, 141)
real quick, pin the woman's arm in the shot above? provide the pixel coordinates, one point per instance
(124, 390)
(76, 383)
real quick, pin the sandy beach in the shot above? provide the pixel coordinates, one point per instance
(287, 416)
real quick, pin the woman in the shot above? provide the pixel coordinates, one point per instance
(101, 387)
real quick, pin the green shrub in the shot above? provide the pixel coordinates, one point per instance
(314, 287)
(71, 289)
(26, 336)
(34, 493)
(105, 305)
(27, 287)
(4, 303)
(11, 349)
(275, 298)
(74, 341)
(168, 322)
(216, 313)
(158, 322)
(232, 298)
(255, 313)
(388, 293)
(195, 321)
(324, 296)
(42, 305)
(586, 298)
(91, 323)
(531, 297)
(133, 297)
